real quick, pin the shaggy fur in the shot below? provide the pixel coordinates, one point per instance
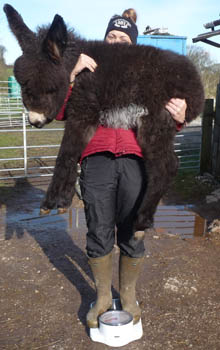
(129, 88)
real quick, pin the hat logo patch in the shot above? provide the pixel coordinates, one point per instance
(121, 23)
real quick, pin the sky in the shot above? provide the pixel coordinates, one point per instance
(90, 18)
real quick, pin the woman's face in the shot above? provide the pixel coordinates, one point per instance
(117, 37)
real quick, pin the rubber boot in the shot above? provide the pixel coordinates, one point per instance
(129, 269)
(102, 273)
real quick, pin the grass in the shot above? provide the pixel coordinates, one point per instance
(186, 185)
(36, 138)
(184, 182)
(189, 188)
(189, 158)
(6, 72)
(39, 137)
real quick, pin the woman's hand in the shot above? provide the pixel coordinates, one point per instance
(177, 108)
(83, 62)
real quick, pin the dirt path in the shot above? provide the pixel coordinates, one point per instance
(46, 285)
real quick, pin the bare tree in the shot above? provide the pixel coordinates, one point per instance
(209, 70)
(2, 52)
(2, 61)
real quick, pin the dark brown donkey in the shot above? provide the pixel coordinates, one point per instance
(129, 89)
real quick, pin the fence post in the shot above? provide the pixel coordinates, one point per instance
(206, 145)
(25, 143)
(216, 138)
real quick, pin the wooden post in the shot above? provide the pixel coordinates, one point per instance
(200, 226)
(206, 145)
(216, 138)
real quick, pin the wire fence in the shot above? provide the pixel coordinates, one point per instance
(188, 147)
(29, 152)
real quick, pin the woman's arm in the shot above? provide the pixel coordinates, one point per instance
(83, 62)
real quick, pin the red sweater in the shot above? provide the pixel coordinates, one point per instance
(60, 115)
(116, 141)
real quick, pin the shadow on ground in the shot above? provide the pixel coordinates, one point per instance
(46, 285)
(20, 204)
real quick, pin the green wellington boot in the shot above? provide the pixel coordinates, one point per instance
(102, 273)
(129, 269)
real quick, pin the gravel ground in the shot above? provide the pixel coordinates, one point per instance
(46, 286)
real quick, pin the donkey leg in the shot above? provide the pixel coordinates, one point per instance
(83, 117)
(62, 187)
(158, 181)
(161, 163)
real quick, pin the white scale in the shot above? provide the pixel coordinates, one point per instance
(116, 327)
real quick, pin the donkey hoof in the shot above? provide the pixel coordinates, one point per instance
(44, 211)
(62, 210)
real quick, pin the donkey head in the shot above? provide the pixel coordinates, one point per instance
(40, 70)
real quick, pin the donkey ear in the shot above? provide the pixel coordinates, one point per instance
(55, 42)
(23, 34)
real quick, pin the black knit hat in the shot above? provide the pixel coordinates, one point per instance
(123, 24)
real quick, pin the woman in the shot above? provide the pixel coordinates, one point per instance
(112, 186)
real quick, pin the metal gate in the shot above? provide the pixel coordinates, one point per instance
(29, 152)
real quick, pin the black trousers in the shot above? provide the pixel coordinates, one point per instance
(112, 189)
